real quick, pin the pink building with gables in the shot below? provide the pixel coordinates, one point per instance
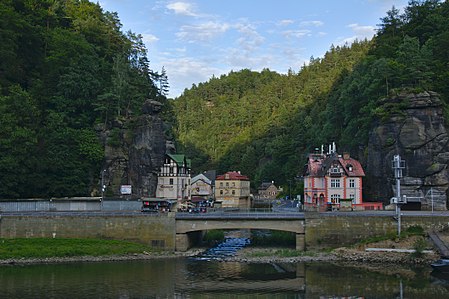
(332, 181)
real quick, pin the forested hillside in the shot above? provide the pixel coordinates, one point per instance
(67, 71)
(264, 123)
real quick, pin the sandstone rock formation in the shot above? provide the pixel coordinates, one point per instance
(413, 128)
(134, 153)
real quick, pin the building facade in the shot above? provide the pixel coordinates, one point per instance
(232, 189)
(174, 178)
(268, 190)
(201, 187)
(330, 179)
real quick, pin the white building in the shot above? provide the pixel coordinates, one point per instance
(201, 186)
(174, 178)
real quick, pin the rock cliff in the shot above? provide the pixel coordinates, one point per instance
(413, 127)
(134, 153)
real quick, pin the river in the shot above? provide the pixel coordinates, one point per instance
(206, 277)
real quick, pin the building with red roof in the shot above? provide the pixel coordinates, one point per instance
(330, 180)
(232, 189)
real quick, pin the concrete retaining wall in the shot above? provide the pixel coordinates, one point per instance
(330, 231)
(153, 230)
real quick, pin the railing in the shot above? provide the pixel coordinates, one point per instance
(241, 213)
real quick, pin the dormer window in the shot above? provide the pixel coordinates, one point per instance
(349, 167)
(335, 170)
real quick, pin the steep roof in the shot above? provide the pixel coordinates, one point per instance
(201, 177)
(232, 175)
(179, 159)
(265, 185)
(318, 165)
(357, 169)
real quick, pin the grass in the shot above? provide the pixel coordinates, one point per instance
(415, 230)
(45, 247)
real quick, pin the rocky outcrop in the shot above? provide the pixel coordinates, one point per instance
(414, 128)
(134, 153)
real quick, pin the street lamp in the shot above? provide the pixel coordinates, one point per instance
(103, 187)
(290, 189)
(398, 165)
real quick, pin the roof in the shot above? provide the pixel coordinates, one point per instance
(179, 159)
(210, 174)
(201, 177)
(232, 175)
(265, 185)
(318, 165)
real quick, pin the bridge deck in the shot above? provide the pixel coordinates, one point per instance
(241, 215)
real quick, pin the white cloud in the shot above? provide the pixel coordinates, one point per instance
(149, 38)
(182, 8)
(250, 39)
(238, 59)
(285, 22)
(311, 24)
(187, 70)
(296, 33)
(362, 31)
(202, 32)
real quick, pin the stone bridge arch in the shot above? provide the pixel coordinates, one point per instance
(188, 227)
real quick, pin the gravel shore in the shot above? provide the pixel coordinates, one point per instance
(265, 255)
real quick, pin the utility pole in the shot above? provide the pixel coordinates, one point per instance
(398, 165)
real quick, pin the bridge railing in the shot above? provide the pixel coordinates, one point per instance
(240, 212)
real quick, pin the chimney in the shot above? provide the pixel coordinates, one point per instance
(346, 156)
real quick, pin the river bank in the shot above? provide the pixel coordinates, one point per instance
(251, 255)
(347, 255)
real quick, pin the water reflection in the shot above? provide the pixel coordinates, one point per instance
(195, 278)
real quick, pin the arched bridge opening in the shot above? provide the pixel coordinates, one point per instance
(189, 227)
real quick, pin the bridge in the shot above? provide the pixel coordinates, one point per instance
(189, 226)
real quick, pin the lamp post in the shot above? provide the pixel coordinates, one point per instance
(290, 189)
(398, 165)
(103, 187)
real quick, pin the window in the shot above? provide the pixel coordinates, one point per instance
(171, 169)
(335, 198)
(233, 192)
(227, 184)
(351, 183)
(171, 182)
(335, 183)
(221, 184)
(221, 192)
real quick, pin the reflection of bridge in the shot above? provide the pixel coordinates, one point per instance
(228, 286)
(189, 226)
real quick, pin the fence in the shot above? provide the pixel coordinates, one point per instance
(47, 205)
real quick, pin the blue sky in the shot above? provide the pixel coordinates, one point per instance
(196, 39)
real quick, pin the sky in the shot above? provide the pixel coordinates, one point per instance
(197, 39)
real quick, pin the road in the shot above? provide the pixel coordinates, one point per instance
(277, 213)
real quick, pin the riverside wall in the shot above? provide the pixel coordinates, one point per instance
(332, 231)
(159, 231)
(156, 231)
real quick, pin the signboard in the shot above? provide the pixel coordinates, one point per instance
(125, 189)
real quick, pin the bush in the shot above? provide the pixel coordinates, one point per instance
(419, 246)
(213, 236)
